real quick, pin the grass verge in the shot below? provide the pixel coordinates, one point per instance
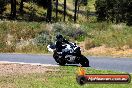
(65, 78)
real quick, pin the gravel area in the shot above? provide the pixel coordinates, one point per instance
(15, 68)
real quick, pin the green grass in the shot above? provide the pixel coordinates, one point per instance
(64, 78)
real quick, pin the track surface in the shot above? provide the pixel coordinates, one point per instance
(106, 63)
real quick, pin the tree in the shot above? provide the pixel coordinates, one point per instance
(43, 3)
(116, 11)
(64, 10)
(56, 10)
(101, 9)
(49, 11)
(2, 6)
(129, 13)
(75, 14)
(21, 6)
(13, 9)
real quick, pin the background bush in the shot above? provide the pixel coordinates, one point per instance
(70, 31)
(43, 39)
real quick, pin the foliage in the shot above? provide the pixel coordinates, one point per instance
(114, 10)
(101, 6)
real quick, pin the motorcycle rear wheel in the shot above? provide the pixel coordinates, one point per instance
(62, 61)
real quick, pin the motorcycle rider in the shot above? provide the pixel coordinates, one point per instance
(60, 40)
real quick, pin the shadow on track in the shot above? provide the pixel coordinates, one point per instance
(73, 65)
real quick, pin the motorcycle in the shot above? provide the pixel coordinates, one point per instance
(71, 54)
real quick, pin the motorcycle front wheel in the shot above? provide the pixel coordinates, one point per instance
(56, 57)
(60, 61)
(84, 61)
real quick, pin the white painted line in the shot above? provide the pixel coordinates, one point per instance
(28, 63)
(49, 54)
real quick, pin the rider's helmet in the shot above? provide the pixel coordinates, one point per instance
(59, 38)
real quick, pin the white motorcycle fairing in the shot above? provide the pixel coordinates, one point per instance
(71, 54)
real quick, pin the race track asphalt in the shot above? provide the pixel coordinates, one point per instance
(105, 63)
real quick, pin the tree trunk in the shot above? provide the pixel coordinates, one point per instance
(78, 11)
(13, 9)
(64, 10)
(75, 14)
(56, 10)
(21, 6)
(49, 11)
